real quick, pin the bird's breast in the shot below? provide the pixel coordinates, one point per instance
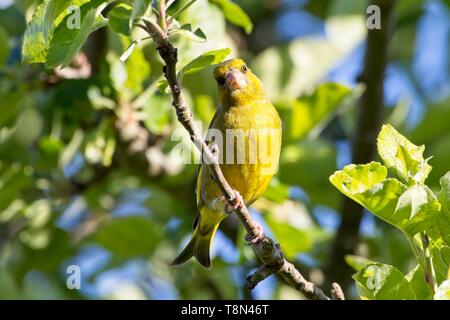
(250, 148)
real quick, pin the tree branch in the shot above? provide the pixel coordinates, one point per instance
(364, 140)
(267, 250)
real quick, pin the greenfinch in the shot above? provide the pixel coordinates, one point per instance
(246, 130)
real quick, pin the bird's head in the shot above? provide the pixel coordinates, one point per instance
(237, 84)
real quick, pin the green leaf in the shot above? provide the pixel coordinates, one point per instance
(444, 217)
(443, 292)
(308, 165)
(367, 185)
(186, 31)
(234, 14)
(358, 182)
(294, 240)
(67, 40)
(119, 18)
(50, 149)
(379, 281)
(13, 179)
(400, 155)
(205, 60)
(140, 8)
(286, 70)
(434, 124)
(420, 205)
(444, 195)
(441, 262)
(276, 191)
(71, 149)
(118, 74)
(163, 86)
(416, 279)
(99, 101)
(310, 113)
(138, 70)
(4, 46)
(357, 262)
(182, 9)
(411, 209)
(49, 257)
(13, 20)
(157, 113)
(100, 145)
(128, 237)
(127, 53)
(38, 35)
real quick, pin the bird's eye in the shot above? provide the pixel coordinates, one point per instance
(244, 68)
(221, 81)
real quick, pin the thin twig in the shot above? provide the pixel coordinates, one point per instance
(258, 276)
(336, 292)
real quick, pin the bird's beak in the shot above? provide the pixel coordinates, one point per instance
(234, 80)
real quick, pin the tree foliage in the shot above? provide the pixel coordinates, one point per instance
(91, 172)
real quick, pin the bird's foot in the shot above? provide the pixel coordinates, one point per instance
(255, 237)
(237, 202)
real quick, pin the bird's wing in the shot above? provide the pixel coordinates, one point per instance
(200, 167)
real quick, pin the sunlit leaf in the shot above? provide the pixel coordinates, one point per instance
(444, 216)
(163, 86)
(420, 206)
(383, 282)
(205, 60)
(441, 262)
(234, 14)
(71, 149)
(157, 113)
(140, 8)
(416, 279)
(309, 114)
(39, 33)
(100, 145)
(67, 41)
(357, 262)
(182, 9)
(138, 71)
(400, 155)
(277, 191)
(186, 31)
(119, 18)
(99, 101)
(443, 292)
(410, 209)
(369, 186)
(295, 241)
(289, 70)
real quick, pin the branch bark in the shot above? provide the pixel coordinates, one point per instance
(364, 140)
(267, 250)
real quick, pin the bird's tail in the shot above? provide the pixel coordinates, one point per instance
(198, 246)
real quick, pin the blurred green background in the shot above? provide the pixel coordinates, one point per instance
(90, 174)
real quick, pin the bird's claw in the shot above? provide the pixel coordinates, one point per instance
(255, 237)
(237, 202)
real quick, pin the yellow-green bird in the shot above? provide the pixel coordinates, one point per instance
(247, 131)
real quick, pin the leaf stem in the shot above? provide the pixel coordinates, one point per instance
(162, 15)
(423, 257)
(430, 276)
